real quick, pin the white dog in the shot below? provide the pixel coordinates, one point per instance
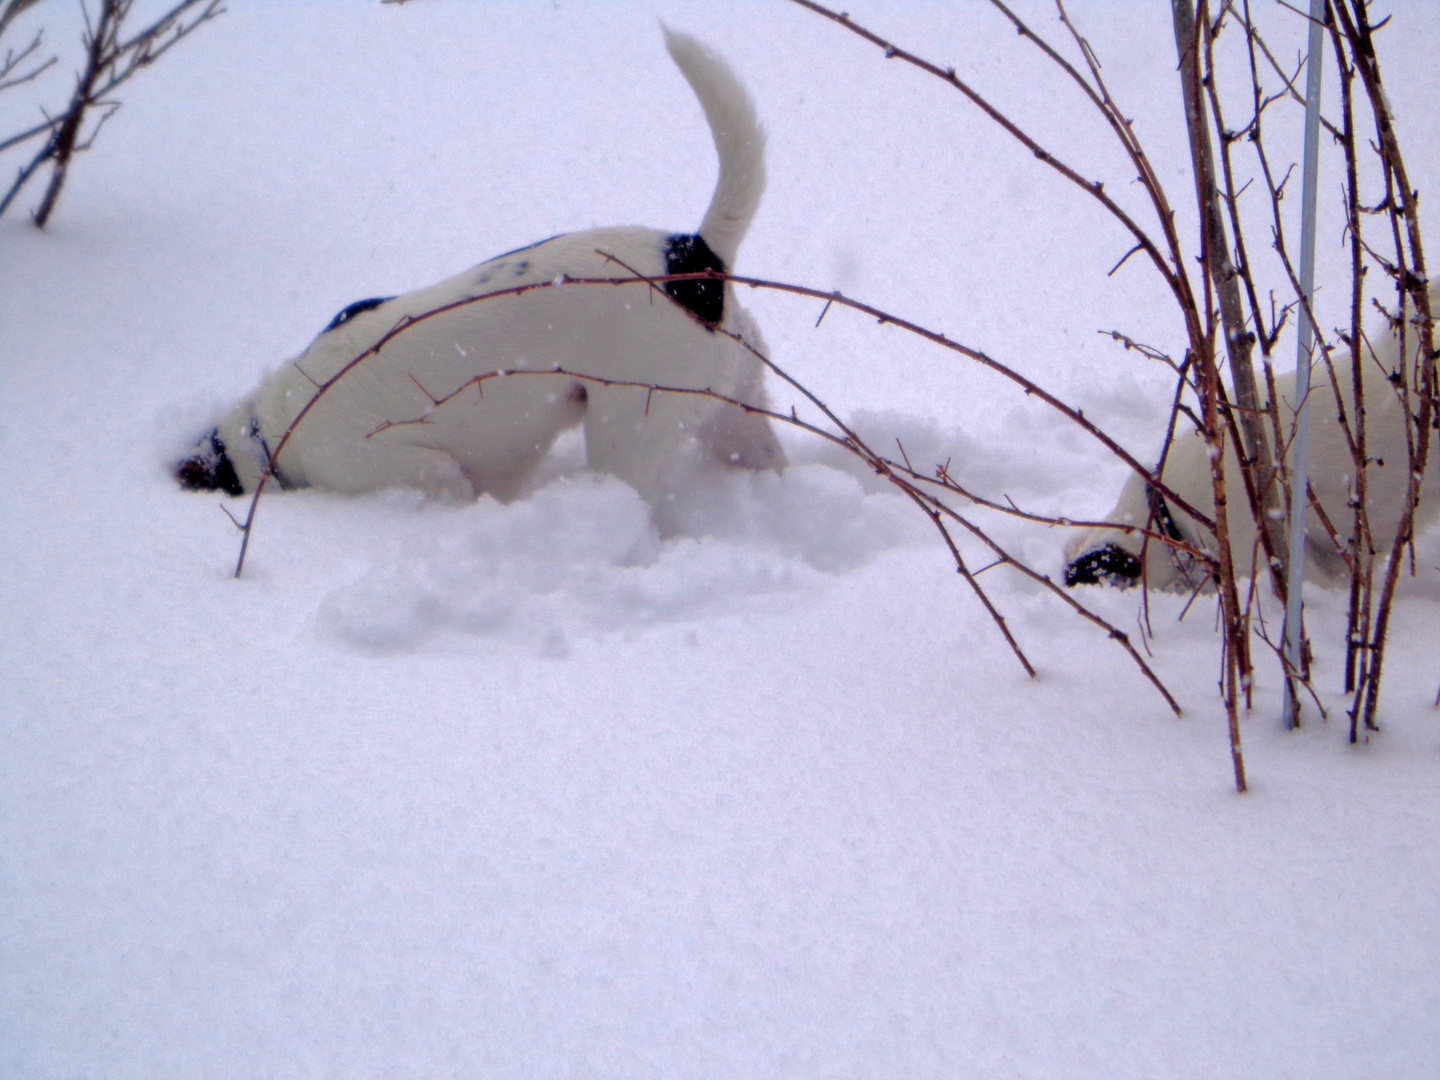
(379, 426)
(1112, 556)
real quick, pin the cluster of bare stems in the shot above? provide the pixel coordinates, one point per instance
(1224, 305)
(112, 56)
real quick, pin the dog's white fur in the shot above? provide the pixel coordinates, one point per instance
(490, 437)
(1331, 472)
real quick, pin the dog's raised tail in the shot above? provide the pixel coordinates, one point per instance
(739, 142)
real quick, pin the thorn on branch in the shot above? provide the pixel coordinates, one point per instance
(296, 365)
(1123, 260)
(825, 309)
(903, 456)
(433, 399)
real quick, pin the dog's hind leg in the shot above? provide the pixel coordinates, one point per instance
(500, 440)
(637, 436)
(732, 435)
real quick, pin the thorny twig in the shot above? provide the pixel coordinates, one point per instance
(1349, 21)
(13, 61)
(934, 507)
(1170, 265)
(1170, 269)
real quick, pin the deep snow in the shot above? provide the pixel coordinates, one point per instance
(544, 790)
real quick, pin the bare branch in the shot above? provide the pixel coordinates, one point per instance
(9, 11)
(1173, 276)
(14, 60)
(109, 62)
(846, 438)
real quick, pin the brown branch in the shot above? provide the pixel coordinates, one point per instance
(1075, 416)
(848, 439)
(99, 41)
(1173, 276)
(1403, 209)
(10, 10)
(1253, 450)
(961, 569)
(14, 60)
(1230, 194)
(1115, 633)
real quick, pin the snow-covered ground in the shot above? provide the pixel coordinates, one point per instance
(537, 791)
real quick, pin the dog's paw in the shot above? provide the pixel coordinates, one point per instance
(442, 480)
(743, 439)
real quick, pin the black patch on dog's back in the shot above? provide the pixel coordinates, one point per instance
(210, 470)
(355, 309)
(527, 247)
(690, 255)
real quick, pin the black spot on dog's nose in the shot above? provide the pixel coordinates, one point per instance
(355, 309)
(210, 470)
(690, 255)
(1108, 565)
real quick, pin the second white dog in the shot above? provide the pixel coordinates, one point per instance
(379, 425)
(1112, 556)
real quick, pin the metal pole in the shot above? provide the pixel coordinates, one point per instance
(1300, 444)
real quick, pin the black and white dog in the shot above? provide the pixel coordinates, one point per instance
(379, 426)
(1113, 556)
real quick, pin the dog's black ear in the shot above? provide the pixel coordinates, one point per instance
(1108, 565)
(210, 469)
(690, 255)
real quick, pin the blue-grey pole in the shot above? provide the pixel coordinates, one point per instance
(1300, 443)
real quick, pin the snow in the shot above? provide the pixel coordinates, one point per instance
(748, 787)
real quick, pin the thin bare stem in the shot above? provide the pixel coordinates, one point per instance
(110, 60)
(1172, 274)
(847, 438)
